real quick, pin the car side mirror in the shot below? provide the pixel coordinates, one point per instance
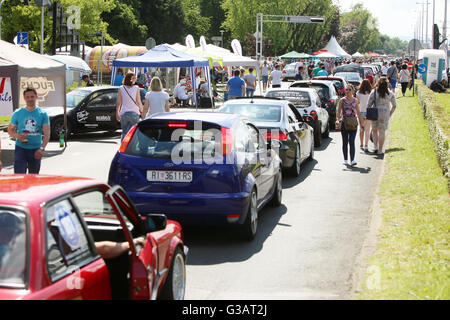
(154, 222)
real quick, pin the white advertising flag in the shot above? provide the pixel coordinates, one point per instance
(237, 48)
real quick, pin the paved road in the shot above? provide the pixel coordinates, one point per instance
(305, 249)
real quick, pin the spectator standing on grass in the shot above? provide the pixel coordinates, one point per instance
(250, 81)
(348, 107)
(383, 99)
(236, 86)
(363, 95)
(156, 101)
(404, 78)
(128, 105)
(30, 126)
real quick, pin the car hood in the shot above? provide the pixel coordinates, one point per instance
(54, 111)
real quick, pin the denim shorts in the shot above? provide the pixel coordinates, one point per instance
(265, 79)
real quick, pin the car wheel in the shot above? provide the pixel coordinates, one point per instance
(250, 225)
(278, 192)
(296, 166)
(175, 285)
(317, 135)
(57, 127)
(326, 134)
(311, 154)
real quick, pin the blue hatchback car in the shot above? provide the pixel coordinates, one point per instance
(199, 168)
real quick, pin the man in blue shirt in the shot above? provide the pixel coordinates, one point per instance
(322, 72)
(29, 126)
(118, 80)
(236, 86)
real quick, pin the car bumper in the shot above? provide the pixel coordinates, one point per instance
(195, 209)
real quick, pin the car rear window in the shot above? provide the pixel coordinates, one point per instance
(13, 248)
(322, 89)
(165, 142)
(298, 98)
(255, 112)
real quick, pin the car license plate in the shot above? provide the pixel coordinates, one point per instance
(169, 176)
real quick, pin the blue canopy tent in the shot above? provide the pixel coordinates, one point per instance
(163, 56)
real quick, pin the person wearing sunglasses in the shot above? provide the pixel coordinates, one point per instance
(348, 111)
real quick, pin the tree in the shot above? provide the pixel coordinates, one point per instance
(124, 23)
(241, 19)
(196, 24)
(164, 19)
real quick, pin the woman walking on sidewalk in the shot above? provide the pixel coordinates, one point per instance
(383, 99)
(363, 99)
(128, 105)
(349, 109)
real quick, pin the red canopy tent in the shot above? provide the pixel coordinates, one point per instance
(323, 51)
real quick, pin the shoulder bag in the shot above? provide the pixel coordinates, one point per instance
(372, 112)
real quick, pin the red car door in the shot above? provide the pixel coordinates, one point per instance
(73, 268)
(141, 276)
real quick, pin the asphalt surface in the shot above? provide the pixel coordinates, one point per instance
(305, 249)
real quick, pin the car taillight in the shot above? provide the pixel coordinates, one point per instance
(127, 139)
(227, 141)
(276, 136)
(314, 115)
(177, 124)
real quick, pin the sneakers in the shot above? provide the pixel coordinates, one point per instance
(375, 150)
(379, 152)
(346, 162)
(366, 149)
(354, 163)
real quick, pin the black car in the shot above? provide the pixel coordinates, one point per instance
(278, 120)
(88, 109)
(328, 94)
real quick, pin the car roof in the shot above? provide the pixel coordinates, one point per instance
(222, 119)
(97, 88)
(329, 77)
(326, 82)
(25, 190)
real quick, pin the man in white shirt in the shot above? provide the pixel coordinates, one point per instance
(180, 92)
(250, 81)
(275, 77)
(384, 69)
(298, 64)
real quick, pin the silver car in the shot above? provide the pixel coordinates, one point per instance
(309, 104)
(289, 72)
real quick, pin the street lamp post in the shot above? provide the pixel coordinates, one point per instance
(221, 34)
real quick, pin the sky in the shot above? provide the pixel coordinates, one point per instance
(397, 18)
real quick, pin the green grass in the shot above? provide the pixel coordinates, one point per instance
(4, 120)
(412, 254)
(443, 99)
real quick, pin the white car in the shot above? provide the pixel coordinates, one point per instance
(309, 104)
(289, 72)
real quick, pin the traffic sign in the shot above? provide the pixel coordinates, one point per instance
(22, 37)
(422, 68)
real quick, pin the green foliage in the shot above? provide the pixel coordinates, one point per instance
(124, 23)
(196, 24)
(241, 19)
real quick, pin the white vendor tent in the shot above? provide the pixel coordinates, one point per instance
(334, 47)
(27, 68)
(75, 67)
(357, 55)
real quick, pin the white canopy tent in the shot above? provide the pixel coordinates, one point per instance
(334, 47)
(75, 67)
(357, 55)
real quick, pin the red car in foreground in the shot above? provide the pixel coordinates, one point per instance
(49, 229)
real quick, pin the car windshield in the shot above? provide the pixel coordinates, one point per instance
(255, 112)
(321, 89)
(13, 248)
(74, 97)
(298, 98)
(165, 142)
(349, 76)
